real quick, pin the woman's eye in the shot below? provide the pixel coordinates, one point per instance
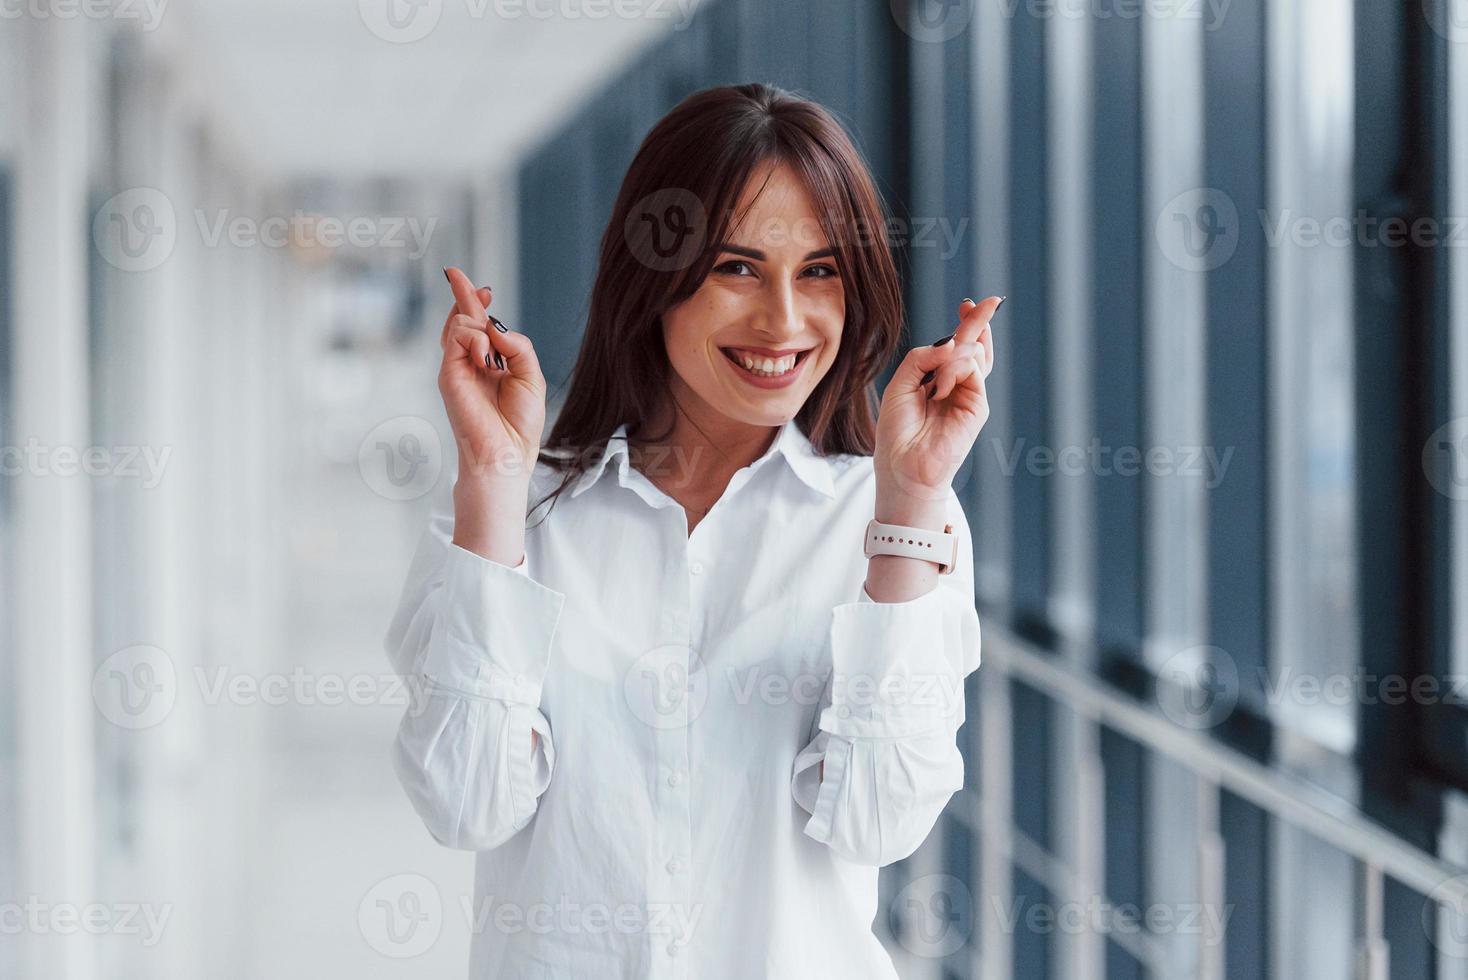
(732, 268)
(821, 271)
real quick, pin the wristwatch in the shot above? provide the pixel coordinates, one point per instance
(913, 542)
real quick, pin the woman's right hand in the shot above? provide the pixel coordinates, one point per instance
(497, 415)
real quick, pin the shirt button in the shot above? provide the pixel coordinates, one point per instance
(672, 949)
(674, 865)
(676, 777)
(696, 568)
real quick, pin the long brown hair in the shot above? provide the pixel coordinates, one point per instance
(682, 189)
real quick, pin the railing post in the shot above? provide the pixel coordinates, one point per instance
(1212, 852)
(1373, 953)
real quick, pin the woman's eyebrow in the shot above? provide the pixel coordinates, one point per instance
(758, 256)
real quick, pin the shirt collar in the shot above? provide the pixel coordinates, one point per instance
(813, 469)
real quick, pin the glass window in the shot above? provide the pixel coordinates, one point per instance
(1311, 239)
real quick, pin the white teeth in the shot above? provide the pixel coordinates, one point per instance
(766, 365)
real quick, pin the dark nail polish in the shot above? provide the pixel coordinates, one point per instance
(486, 361)
(932, 391)
(499, 326)
(969, 300)
(499, 359)
(940, 343)
(927, 377)
(1000, 303)
(446, 275)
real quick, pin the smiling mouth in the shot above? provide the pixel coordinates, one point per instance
(765, 367)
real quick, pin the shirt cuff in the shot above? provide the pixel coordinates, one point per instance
(494, 631)
(898, 667)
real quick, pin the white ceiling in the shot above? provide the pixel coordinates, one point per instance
(309, 88)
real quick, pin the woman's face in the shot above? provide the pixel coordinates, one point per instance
(773, 301)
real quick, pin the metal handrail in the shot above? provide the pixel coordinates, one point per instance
(1300, 803)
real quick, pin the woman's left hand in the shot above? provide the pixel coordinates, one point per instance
(923, 439)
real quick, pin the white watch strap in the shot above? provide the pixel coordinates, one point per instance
(940, 547)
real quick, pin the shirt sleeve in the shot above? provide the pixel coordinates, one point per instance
(473, 638)
(889, 718)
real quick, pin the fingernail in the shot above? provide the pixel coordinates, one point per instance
(486, 361)
(499, 326)
(1000, 303)
(927, 377)
(499, 359)
(932, 391)
(969, 301)
(446, 275)
(940, 343)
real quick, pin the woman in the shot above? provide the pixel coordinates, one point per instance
(682, 717)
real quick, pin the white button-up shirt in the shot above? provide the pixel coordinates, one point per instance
(672, 821)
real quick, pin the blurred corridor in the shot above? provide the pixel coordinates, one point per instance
(1220, 730)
